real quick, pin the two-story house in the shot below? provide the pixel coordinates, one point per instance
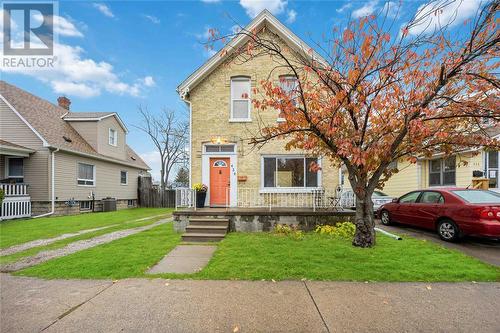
(222, 119)
(67, 162)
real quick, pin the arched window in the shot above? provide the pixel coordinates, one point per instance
(220, 164)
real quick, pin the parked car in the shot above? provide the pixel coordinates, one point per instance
(378, 198)
(453, 212)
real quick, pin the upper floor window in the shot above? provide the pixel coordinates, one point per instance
(113, 137)
(290, 86)
(123, 177)
(442, 171)
(240, 99)
(15, 168)
(86, 174)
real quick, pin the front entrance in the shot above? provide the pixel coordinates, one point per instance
(219, 181)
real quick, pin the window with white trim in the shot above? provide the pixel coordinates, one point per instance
(289, 172)
(85, 205)
(123, 177)
(113, 137)
(290, 86)
(86, 174)
(442, 172)
(240, 98)
(491, 167)
(219, 148)
(15, 168)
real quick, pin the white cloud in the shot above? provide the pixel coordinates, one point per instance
(366, 10)
(104, 9)
(76, 75)
(254, 7)
(443, 13)
(344, 7)
(235, 29)
(291, 16)
(152, 18)
(62, 26)
(148, 81)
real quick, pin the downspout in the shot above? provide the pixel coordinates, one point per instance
(52, 184)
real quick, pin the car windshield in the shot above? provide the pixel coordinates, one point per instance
(478, 196)
(379, 194)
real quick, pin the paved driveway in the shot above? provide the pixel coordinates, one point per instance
(486, 250)
(157, 305)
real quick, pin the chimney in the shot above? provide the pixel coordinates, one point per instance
(64, 102)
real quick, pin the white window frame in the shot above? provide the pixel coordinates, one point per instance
(290, 189)
(113, 137)
(7, 168)
(286, 77)
(487, 169)
(85, 209)
(441, 172)
(94, 180)
(126, 177)
(249, 118)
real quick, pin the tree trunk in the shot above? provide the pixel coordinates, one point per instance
(365, 222)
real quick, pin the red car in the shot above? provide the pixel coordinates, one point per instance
(452, 212)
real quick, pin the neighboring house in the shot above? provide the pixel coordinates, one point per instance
(222, 119)
(61, 159)
(458, 170)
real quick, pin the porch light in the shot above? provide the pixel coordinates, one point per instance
(218, 140)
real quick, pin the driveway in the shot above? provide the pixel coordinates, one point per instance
(486, 250)
(158, 305)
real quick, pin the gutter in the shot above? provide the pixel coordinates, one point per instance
(52, 184)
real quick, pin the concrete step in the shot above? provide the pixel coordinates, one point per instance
(209, 221)
(206, 229)
(202, 237)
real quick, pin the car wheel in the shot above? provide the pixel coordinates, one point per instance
(385, 218)
(448, 231)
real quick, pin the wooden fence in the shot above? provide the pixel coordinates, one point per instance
(153, 196)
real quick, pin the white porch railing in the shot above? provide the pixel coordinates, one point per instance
(185, 198)
(16, 203)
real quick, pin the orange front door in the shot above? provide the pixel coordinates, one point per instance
(219, 181)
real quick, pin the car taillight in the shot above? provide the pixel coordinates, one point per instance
(488, 213)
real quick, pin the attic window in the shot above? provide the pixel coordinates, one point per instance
(67, 139)
(133, 158)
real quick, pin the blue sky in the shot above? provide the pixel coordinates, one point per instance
(120, 55)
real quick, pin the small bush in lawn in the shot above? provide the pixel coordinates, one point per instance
(289, 230)
(340, 230)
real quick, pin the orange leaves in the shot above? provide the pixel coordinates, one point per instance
(348, 35)
(405, 31)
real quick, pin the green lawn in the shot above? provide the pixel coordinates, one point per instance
(13, 232)
(267, 256)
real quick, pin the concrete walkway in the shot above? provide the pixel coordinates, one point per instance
(44, 256)
(185, 259)
(142, 305)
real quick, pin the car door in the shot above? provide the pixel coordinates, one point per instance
(427, 208)
(403, 212)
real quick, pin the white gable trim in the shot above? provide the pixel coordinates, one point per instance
(45, 144)
(122, 124)
(265, 16)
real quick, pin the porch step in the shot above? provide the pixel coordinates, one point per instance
(202, 237)
(209, 221)
(206, 229)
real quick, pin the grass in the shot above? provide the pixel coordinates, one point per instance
(127, 257)
(256, 256)
(63, 242)
(13, 232)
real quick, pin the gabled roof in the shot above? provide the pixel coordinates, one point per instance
(46, 121)
(93, 116)
(9, 148)
(264, 18)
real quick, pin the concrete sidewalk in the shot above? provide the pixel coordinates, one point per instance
(141, 305)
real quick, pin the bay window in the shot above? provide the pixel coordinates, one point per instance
(289, 172)
(240, 98)
(442, 172)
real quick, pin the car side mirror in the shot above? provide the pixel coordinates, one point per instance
(395, 200)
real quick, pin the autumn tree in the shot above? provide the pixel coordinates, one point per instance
(377, 91)
(169, 135)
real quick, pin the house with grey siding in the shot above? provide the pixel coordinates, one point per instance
(60, 161)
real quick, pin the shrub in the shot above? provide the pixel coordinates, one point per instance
(340, 230)
(289, 230)
(1, 195)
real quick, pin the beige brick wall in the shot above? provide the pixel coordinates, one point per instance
(210, 102)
